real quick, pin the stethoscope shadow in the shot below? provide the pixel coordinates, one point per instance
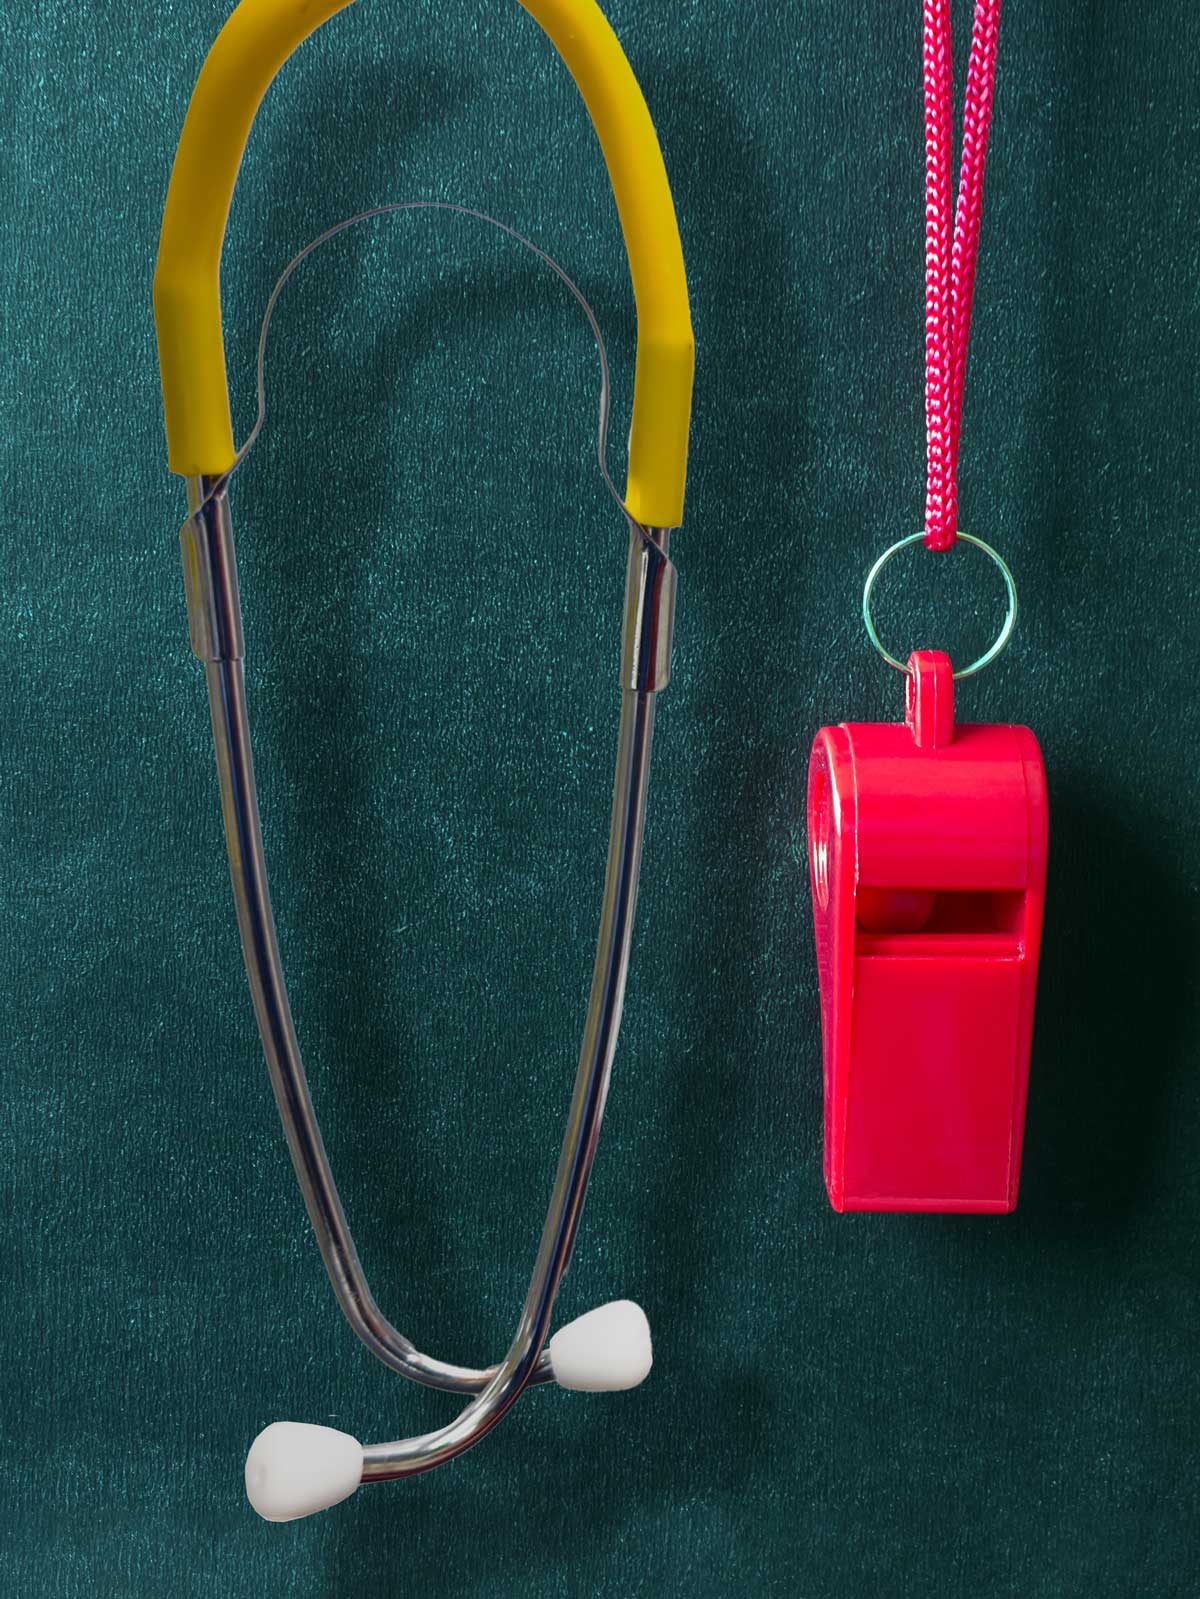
(720, 959)
(726, 944)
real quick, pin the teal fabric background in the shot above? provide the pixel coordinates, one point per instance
(870, 1406)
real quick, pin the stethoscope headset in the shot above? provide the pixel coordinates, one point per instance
(295, 1469)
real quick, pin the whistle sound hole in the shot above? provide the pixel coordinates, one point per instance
(926, 910)
(819, 825)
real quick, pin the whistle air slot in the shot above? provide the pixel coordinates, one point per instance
(933, 915)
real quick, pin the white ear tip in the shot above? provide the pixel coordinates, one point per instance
(294, 1469)
(604, 1351)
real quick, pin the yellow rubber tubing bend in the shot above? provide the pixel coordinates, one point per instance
(250, 49)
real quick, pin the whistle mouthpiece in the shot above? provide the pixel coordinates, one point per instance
(294, 1469)
(605, 1351)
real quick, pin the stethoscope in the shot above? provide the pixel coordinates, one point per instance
(294, 1469)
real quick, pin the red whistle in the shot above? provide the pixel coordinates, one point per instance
(927, 849)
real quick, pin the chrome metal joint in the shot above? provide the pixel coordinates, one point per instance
(649, 612)
(210, 576)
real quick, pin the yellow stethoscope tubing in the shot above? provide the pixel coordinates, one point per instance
(255, 42)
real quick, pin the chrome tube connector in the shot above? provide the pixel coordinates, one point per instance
(649, 612)
(210, 577)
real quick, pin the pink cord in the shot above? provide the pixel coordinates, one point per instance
(951, 247)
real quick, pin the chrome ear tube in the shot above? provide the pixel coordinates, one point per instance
(293, 1469)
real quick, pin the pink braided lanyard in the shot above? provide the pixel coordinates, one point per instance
(951, 247)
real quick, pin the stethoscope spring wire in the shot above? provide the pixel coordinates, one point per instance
(218, 485)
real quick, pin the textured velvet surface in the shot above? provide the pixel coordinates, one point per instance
(432, 579)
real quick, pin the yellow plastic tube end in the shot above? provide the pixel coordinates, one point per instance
(248, 52)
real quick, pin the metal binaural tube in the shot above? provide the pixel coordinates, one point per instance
(210, 573)
(382, 1462)
(215, 624)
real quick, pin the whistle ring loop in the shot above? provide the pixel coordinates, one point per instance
(1006, 630)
